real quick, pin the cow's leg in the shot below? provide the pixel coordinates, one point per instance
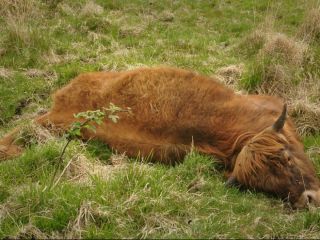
(167, 153)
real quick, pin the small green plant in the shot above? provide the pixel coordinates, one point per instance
(91, 118)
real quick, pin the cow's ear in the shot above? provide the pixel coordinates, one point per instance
(232, 182)
(278, 125)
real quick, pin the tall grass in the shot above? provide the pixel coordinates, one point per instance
(21, 21)
(284, 66)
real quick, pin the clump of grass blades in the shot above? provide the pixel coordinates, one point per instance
(276, 63)
(306, 117)
(22, 24)
(31, 133)
(310, 28)
(281, 67)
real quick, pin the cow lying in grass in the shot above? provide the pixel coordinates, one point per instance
(173, 109)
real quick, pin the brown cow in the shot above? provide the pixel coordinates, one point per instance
(174, 108)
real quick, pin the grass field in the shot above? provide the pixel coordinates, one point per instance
(262, 46)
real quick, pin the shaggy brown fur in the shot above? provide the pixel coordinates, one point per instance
(8, 148)
(173, 108)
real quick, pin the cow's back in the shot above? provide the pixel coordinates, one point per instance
(167, 95)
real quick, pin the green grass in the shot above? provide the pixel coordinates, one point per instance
(96, 197)
(141, 200)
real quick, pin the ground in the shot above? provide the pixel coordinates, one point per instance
(253, 46)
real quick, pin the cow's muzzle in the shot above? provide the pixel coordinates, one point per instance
(309, 198)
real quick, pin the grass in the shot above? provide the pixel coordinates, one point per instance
(43, 44)
(139, 200)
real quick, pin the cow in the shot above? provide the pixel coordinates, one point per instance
(172, 109)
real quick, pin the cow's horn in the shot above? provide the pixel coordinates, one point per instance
(278, 125)
(231, 182)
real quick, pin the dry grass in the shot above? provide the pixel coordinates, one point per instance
(51, 57)
(254, 41)
(310, 28)
(80, 168)
(307, 90)
(30, 231)
(88, 213)
(4, 210)
(313, 151)
(66, 9)
(231, 74)
(303, 97)
(282, 47)
(276, 80)
(306, 117)
(91, 8)
(5, 73)
(126, 31)
(280, 66)
(38, 73)
(162, 223)
(266, 42)
(24, 8)
(196, 185)
(33, 134)
(278, 59)
(166, 16)
(18, 15)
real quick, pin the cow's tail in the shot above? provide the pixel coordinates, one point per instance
(43, 119)
(9, 147)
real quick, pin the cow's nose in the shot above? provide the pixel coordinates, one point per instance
(308, 198)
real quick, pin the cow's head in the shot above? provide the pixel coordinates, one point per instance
(274, 161)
